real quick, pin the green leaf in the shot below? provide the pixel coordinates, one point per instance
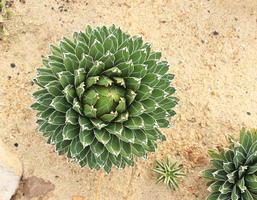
(86, 137)
(140, 136)
(226, 188)
(126, 68)
(38, 107)
(80, 90)
(113, 146)
(75, 147)
(121, 107)
(109, 117)
(133, 83)
(92, 81)
(241, 185)
(122, 55)
(45, 100)
(122, 117)
(60, 104)
(56, 66)
(96, 50)
(208, 174)
(57, 136)
(97, 148)
(149, 105)
(96, 69)
(162, 67)
(119, 81)
(57, 118)
(139, 56)
(79, 76)
(85, 124)
(89, 111)
(90, 97)
(99, 124)
(114, 128)
(55, 50)
(155, 55)
(104, 105)
(69, 93)
(91, 160)
(148, 121)
(127, 135)
(134, 123)
(136, 109)
(126, 149)
(110, 44)
(69, 63)
(104, 81)
(252, 169)
(54, 88)
(65, 78)
(102, 136)
(108, 60)
(228, 167)
(139, 71)
(144, 92)
(130, 96)
(43, 80)
(114, 71)
(251, 182)
(67, 46)
(81, 48)
(40, 94)
(247, 195)
(76, 106)
(239, 158)
(151, 79)
(86, 62)
(71, 117)
(138, 150)
(158, 95)
(63, 147)
(70, 131)
(45, 114)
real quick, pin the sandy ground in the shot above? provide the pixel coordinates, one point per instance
(212, 48)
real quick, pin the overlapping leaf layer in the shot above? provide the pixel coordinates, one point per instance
(103, 96)
(234, 171)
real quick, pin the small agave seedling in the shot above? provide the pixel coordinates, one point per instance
(169, 173)
(234, 171)
(103, 96)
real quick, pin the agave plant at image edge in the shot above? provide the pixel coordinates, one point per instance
(103, 95)
(234, 171)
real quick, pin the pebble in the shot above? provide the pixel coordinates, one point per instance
(10, 172)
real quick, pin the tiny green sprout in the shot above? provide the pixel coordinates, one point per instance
(169, 173)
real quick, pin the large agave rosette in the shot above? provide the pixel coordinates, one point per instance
(103, 96)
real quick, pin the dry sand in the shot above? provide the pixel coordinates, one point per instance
(212, 48)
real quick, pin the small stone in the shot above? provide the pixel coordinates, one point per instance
(13, 65)
(10, 172)
(36, 187)
(215, 33)
(78, 198)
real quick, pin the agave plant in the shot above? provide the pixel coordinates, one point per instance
(169, 173)
(103, 95)
(234, 171)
